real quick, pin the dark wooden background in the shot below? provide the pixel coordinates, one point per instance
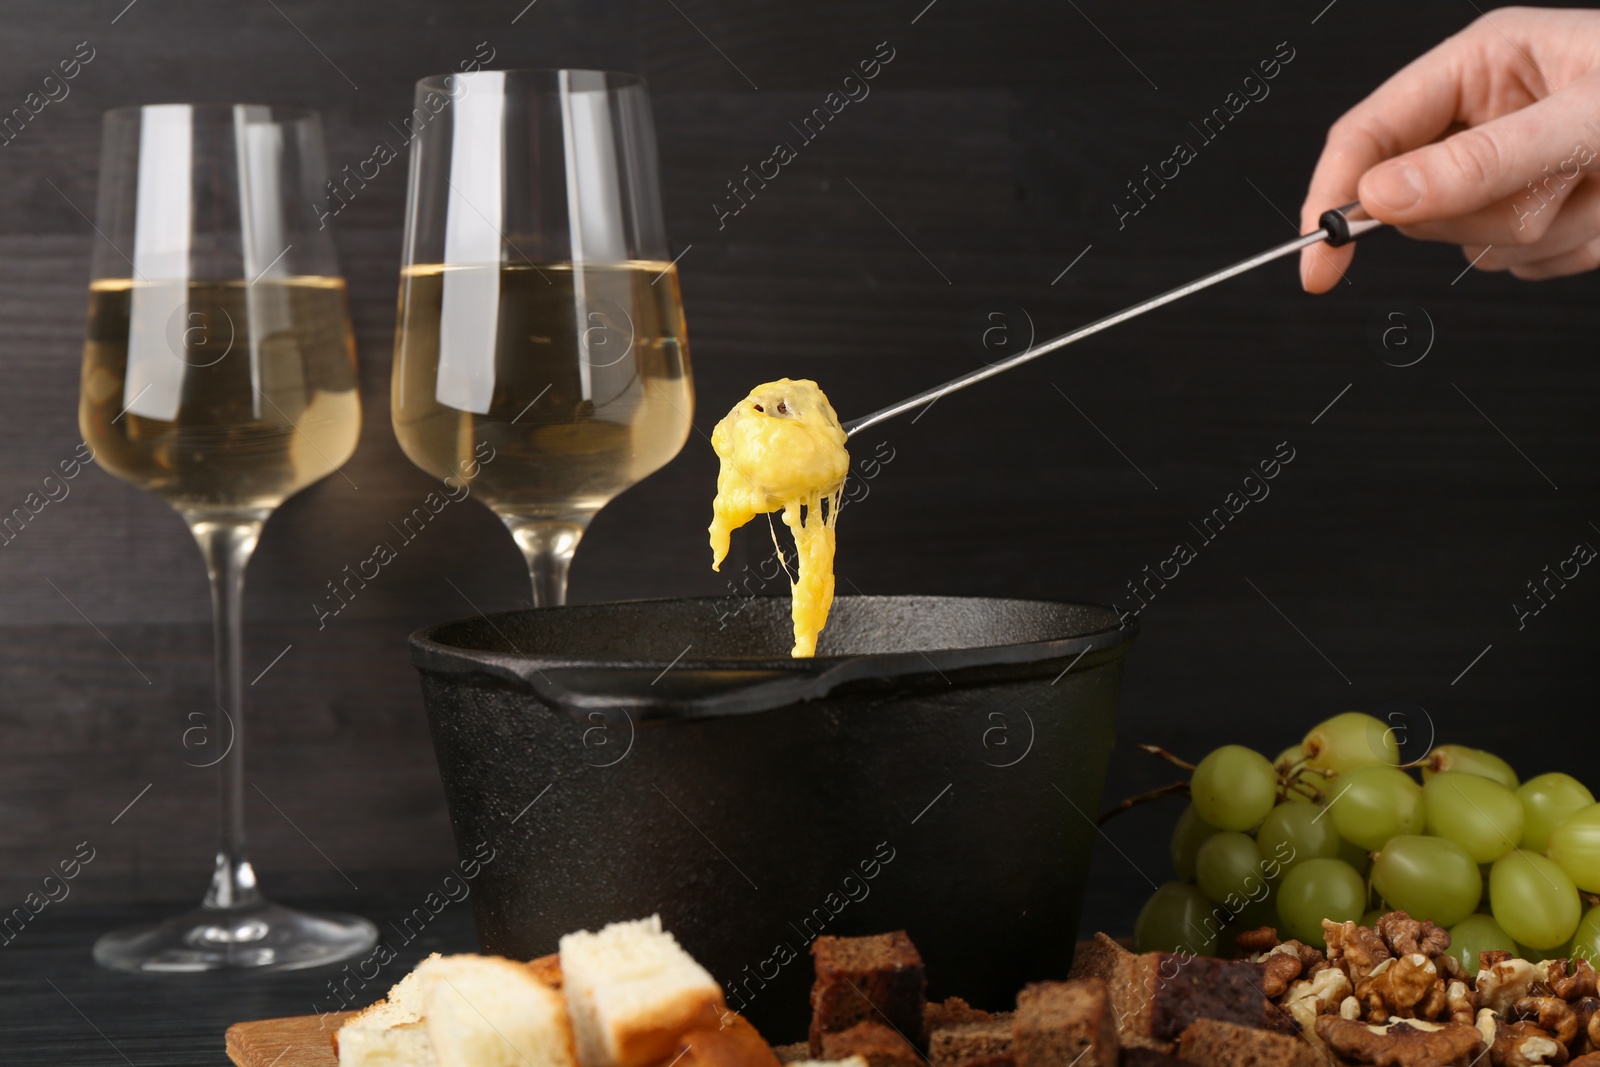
(994, 145)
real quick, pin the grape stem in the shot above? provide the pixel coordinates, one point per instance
(1158, 751)
(1291, 782)
(1179, 788)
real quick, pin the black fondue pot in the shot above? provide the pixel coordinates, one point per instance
(936, 768)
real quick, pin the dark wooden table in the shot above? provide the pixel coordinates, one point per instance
(62, 1009)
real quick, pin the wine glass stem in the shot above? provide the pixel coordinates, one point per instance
(547, 545)
(226, 545)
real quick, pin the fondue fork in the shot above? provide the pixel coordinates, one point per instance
(1339, 226)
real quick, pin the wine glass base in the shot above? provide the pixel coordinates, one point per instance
(261, 936)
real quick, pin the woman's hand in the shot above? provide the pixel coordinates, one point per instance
(1484, 142)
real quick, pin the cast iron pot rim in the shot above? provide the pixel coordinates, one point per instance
(772, 682)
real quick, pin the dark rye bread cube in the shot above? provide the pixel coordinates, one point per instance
(1002, 1059)
(1214, 1043)
(1156, 995)
(1187, 988)
(952, 1011)
(1097, 958)
(1105, 959)
(859, 979)
(1060, 1023)
(958, 1045)
(874, 1042)
(1149, 1057)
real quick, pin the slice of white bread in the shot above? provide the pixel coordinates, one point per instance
(485, 1011)
(632, 992)
(403, 1045)
(449, 1013)
(389, 1033)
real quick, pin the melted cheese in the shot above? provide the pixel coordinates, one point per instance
(782, 449)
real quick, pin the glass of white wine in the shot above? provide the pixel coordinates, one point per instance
(219, 373)
(540, 354)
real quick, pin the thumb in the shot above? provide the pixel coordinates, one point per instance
(1485, 164)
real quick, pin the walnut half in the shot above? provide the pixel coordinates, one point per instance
(1552, 1014)
(1323, 992)
(1505, 982)
(1587, 1010)
(1280, 968)
(1405, 935)
(1406, 987)
(1524, 1044)
(1357, 950)
(1261, 939)
(1404, 1043)
(1577, 985)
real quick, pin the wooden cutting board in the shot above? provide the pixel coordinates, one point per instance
(307, 1040)
(301, 1041)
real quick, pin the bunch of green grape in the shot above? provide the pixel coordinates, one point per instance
(1336, 828)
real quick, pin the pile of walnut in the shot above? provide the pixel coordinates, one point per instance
(1395, 996)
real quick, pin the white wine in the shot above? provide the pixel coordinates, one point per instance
(575, 380)
(225, 398)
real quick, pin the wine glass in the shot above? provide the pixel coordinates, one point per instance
(219, 373)
(540, 355)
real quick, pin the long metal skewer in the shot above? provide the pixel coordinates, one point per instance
(1339, 226)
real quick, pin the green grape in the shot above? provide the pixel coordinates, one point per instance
(1317, 890)
(1468, 761)
(1187, 837)
(1533, 900)
(1586, 942)
(1475, 934)
(1372, 804)
(1299, 780)
(1228, 868)
(1546, 800)
(1177, 918)
(1477, 813)
(1575, 846)
(1429, 877)
(1293, 833)
(1354, 855)
(1350, 740)
(1234, 787)
(1371, 918)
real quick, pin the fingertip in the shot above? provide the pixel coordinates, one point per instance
(1391, 190)
(1321, 267)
